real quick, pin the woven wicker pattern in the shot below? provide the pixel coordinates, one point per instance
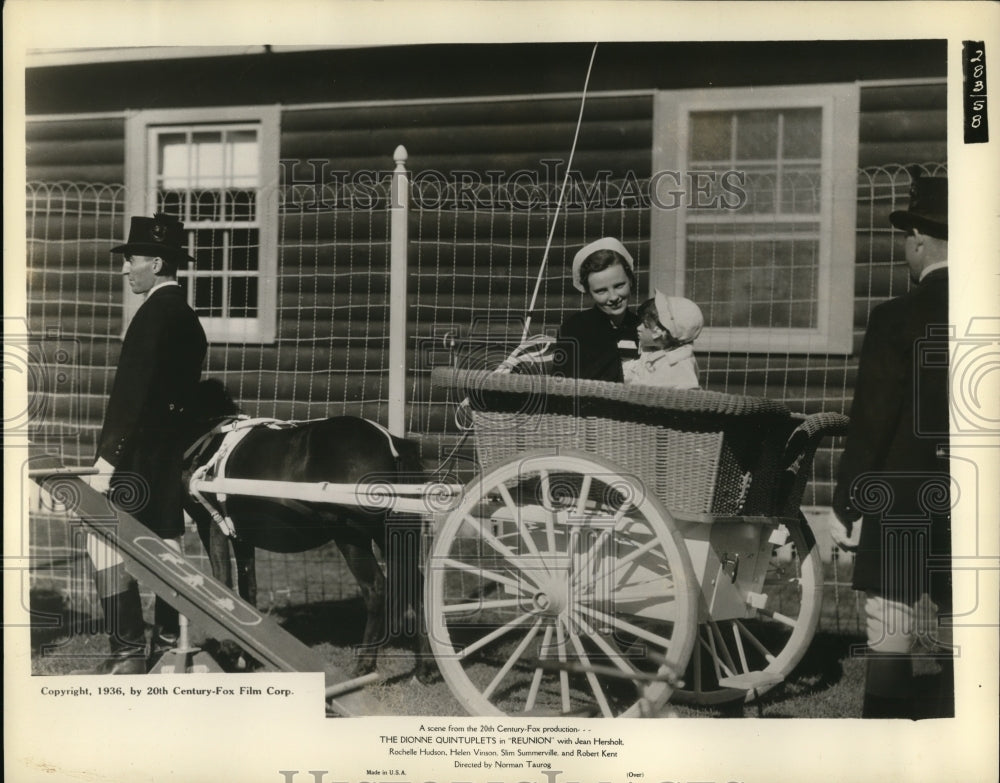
(474, 383)
(697, 451)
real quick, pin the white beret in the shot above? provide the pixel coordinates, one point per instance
(607, 243)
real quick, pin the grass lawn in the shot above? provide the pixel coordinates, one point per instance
(826, 684)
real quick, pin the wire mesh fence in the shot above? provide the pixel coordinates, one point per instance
(475, 267)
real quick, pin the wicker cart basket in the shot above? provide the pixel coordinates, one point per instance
(697, 451)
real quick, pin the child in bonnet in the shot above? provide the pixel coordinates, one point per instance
(668, 325)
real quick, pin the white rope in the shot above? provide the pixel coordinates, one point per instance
(508, 364)
(562, 193)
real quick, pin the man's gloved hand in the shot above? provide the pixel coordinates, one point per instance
(845, 532)
(101, 481)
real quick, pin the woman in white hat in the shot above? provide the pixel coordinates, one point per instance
(595, 342)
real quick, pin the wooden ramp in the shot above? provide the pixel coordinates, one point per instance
(205, 601)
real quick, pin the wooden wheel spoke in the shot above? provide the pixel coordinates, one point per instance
(738, 641)
(784, 619)
(721, 642)
(585, 560)
(495, 542)
(522, 528)
(755, 641)
(614, 654)
(581, 503)
(513, 659)
(496, 603)
(625, 625)
(485, 573)
(531, 561)
(563, 674)
(549, 505)
(771, 639)
(595, 685)
(536, 678)
(663, 583)
(493, 635)
(717, 664)
(617, 563)
(613, 529)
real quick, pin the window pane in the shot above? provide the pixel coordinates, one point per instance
(243, 297)
(172, 203)
(209, 177)
(205, 205)
(761, 189)
(207, 157)
(801, 190)
(211, 249)
(754, 281)
(803, 133)
(756, 135)
(711, 136)
(172, 160)
(243, 162)
(241, 205)
(208, 296)
(244, 248)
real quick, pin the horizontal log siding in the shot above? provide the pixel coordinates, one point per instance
(75, 214)
(466, 264)
(76, 150)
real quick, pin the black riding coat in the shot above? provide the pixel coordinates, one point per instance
(592, 348)
(158, 369)
(899, 418)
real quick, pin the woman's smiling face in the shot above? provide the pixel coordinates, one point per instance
(610, 289)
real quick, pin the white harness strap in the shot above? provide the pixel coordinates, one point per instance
(388, 437)
(234, 432)
(215, 468)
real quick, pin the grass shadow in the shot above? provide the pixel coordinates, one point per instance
(54, 620)
(339, 622)
(822, 666)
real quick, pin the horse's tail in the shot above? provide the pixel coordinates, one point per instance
(409, 463)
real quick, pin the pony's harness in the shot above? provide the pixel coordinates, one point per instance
(233, 430)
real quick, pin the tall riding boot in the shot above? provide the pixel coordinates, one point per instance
(939, 702)
(888, 686)
(166, 631)
(119, 593)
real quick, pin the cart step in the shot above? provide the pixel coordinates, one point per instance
(749, 681)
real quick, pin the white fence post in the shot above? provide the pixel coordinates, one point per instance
(400, 197)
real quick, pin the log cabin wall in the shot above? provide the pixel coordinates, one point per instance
(463, 264)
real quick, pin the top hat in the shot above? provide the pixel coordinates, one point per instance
(607, 243)
(928, 212)
(681, 317)
(161, 236)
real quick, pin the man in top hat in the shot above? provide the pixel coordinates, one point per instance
(139, 450)
(892, 474)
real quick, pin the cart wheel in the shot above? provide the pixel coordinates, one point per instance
(742, 659)
(559, 586)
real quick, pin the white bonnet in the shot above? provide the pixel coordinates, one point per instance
(681, 317)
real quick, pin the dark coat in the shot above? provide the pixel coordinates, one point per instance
(899, 419)
(158, 370)
(590, 347)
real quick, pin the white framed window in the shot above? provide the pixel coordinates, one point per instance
(754, 197)
(217, 170)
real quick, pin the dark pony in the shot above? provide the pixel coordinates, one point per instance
(339, 450)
